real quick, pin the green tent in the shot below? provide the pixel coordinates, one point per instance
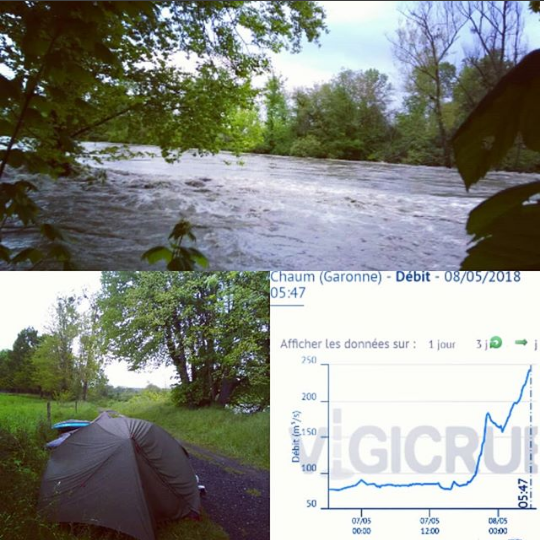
(121, 473)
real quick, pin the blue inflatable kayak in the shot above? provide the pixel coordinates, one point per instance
(70, 425)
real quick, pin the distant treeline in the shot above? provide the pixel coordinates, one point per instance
(349, 117)
(352, 115)
(213, 328)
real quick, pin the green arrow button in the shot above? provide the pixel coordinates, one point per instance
(495, 342)
(521, 342)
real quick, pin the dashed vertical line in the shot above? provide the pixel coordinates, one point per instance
(328, 435)
(531, 440)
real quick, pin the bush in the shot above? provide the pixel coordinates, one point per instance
(308, 146)
(190, 395)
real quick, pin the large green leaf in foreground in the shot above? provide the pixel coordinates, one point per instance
(506, 227)
(512, 107)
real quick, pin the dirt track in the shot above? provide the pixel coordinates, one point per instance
(238, 496)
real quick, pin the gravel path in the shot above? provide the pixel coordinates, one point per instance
(238, 496)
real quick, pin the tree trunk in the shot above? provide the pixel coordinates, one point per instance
(177, 354)
(180, 363)
(444, 142)
(228, 385)
(446, 155)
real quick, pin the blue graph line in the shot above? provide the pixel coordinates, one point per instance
(454, 484)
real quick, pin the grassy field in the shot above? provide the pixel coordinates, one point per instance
(18, 411)
(245, 437)
(24, 431)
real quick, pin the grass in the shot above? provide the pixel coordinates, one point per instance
(24, 430)
(23, 411)
(245, 437)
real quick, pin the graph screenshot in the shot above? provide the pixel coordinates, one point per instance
(405, 404)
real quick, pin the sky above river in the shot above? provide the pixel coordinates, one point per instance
(26, 300)
(358, 39)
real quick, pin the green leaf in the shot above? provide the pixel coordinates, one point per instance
(180, 264)
(16, 157)
(9, 89)
(25, 185)
(482, 218)
(511, 108)
(29, 254)
(84, 31)
(34, 119)
(60, 253)
(133, 9)
(182, 229)
(5, 253)
(198, 257)
(69, 265)
(34, 44)
(530, 129)
(105, 54)
(37, 164)
(507, 231)
(6, 128)
(187, 257)
(157, 254)
(512, 243)
(42, 104)
(51, 232)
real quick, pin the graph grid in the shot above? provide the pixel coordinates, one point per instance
(457, 436)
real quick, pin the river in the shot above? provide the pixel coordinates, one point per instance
(268, 213)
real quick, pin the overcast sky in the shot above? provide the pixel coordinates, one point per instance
(357, 40)
(26, 299)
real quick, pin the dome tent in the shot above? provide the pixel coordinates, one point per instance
(121, 473)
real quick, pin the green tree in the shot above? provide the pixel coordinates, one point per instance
(5, 375)
(71, 68)
(414, 139)
(422, 44)
(23, 347)
(64, 329)
(416, 136)
(245, 131)
(345, 118)
(89, 360)
(68, 362)
(213, 328)
(16, 369)
(370, 90)
(308, 123)
(48, 376)
(276, 134)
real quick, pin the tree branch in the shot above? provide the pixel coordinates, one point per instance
(102, 121)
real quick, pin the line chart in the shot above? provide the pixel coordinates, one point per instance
(454, 484)
(419, 451)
